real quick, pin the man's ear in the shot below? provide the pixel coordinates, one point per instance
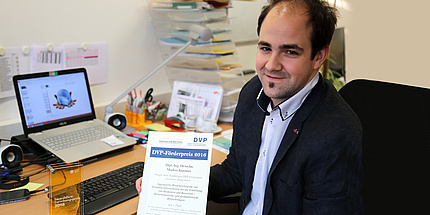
(321, 56)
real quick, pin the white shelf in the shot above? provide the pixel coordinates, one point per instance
(214, 62)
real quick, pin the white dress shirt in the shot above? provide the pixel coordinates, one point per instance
(274, 127)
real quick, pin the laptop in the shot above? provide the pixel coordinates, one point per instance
(54, 104)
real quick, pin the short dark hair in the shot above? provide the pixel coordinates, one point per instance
(322, 20)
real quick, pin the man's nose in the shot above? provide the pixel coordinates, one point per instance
(274, 63)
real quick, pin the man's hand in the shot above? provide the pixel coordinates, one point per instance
(138, 185)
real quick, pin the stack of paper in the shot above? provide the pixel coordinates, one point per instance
(208, 62)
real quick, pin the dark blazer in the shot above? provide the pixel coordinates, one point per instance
(317, 169)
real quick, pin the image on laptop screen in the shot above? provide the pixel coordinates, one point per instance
(53, 97)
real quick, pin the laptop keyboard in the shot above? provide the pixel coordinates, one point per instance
(109, 189)
(67, 140)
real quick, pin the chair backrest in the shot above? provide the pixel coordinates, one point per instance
(396, 145)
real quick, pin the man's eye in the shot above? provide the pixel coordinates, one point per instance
(265, 49)
(291, 52)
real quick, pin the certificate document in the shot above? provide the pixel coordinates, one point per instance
(176, 173)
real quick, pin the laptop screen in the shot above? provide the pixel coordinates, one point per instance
(52, 99)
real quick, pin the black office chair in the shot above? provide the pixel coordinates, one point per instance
(396, 145)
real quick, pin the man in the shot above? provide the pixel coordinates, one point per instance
(296, 144)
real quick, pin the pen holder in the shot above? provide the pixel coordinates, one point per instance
(155, 115)
(136, 120)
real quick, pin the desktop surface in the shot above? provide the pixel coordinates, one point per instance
(38, 203)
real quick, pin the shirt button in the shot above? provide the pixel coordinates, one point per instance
(271, 121)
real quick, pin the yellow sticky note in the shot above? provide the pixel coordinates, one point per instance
(157, 127)
(30, 186)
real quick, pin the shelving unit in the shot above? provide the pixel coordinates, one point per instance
(214, 62)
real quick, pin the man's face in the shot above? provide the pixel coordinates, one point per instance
(284, 64)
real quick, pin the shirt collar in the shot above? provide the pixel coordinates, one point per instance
(289, 106)
(262, 101)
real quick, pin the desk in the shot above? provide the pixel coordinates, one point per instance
(38, 203)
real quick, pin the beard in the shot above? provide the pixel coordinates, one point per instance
(271, 84)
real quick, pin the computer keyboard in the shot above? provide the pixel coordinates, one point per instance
(109, 189)
(76, 137)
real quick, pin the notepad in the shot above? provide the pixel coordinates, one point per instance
(157, 127)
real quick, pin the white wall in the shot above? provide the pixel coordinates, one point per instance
(387, 40)
(384, 40)
(124, 24)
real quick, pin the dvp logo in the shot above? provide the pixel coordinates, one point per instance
(200, 139)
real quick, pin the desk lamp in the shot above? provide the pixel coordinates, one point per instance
(119, 120)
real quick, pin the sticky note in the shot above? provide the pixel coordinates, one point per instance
(142, 132)
(157, 127)
(137, 134)
(30, 186)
